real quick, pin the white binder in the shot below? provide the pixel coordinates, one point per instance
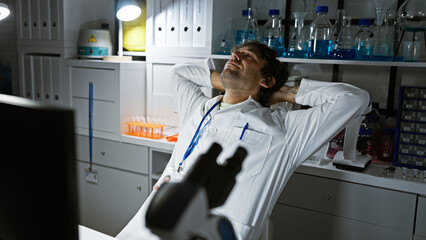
(47, 79)
(185, 25)
(55, 63)
(160, 22)
(25, 20)
(38, 78)
(45, 19)
(199, 24)
(35, 19)
(28, 89)
(172, 34)
(54, 20)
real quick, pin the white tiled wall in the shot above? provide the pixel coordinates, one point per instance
(8, 46)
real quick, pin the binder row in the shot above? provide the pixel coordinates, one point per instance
(180, 23)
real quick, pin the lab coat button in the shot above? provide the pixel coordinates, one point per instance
(213, 129)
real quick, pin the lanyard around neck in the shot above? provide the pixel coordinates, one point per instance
(196, 136)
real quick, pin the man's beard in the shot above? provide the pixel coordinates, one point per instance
(231, 79)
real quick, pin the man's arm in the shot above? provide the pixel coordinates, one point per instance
(284, 94)
(215, 80)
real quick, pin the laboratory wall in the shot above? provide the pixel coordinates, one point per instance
(9, 77)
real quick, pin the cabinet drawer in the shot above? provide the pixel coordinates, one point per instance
(105, 83)
(421, 217)
(359, 202)
(104, 115)
(294, 223)
(109, 205)
(114, 154)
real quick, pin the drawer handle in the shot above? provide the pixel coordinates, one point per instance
(328, 197)
(139, 188)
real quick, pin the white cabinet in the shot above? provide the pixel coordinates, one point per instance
(333, 209)
(420, 230)
(121, 185)
(118, 93)
(109, 205)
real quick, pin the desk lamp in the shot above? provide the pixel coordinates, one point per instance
(4, 11)
(127, 10)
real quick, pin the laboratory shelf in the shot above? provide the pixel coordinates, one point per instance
(134, 53)
(340, 62)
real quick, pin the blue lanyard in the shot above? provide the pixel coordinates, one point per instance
(90, 122)
(197, 135)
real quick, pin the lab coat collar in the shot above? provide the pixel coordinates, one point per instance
(248, 104)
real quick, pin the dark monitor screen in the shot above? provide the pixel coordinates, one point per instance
(38, 187)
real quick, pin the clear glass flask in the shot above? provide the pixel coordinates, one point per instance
(251, 30)
(319, 44)
(227, 39)
(273, 35)
(298, 45)
(363, 40)
(337, 27)
(344, 44)
(382, 42)
(240, 28)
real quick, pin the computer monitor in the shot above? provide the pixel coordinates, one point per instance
(38, 187)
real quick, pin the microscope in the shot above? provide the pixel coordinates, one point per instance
(180, 211)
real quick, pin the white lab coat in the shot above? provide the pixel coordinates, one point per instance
(278, 141)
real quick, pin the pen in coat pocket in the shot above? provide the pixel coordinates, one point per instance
(244, 130)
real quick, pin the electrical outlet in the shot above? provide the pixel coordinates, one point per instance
(91, 176)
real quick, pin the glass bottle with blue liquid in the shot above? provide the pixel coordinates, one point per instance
(298, 44)
(319, 44)
(363, 40)
(273, 33)
(344, 45)
(240, 28)
(251, 30)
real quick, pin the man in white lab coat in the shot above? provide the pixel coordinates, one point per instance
(278, 141)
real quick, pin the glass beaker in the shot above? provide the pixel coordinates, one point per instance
(298, 44)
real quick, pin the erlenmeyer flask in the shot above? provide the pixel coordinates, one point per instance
(337, 25)
(344, 47)
(382, 43)
(298, 44)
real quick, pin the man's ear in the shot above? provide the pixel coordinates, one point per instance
(267, 83)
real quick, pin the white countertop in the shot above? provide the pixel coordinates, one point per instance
(161, 143)
(373, 175)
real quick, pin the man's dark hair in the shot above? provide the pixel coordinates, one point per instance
(272, 68)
